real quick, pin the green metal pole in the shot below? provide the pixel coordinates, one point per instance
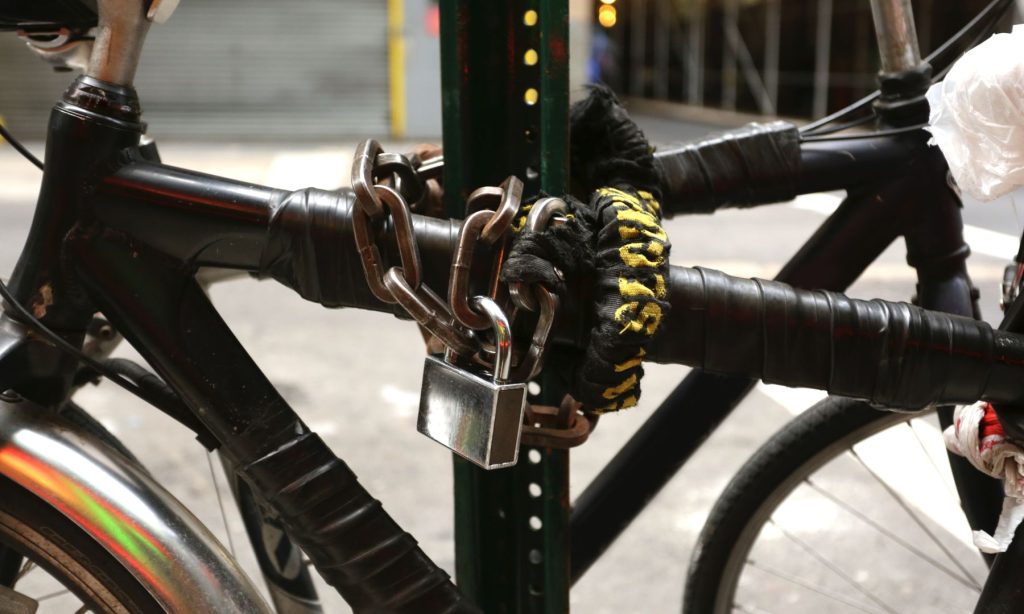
(505, 110)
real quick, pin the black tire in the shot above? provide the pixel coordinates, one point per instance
(821, 434)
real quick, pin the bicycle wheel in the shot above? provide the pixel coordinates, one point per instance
(48, 562)
(847, 509)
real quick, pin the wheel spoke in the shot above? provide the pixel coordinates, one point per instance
(833, 568)
(220, 503)
(931, 460)
(814, 588)
(54, 594)
(742, 609)
(26, 567)
(968, 582)
(915, 517)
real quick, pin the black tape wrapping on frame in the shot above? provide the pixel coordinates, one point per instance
(755, 164)
(304, 250)
(893, 354)
(616, 240)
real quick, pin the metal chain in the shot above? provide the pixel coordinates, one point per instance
(535, 297)
(384, 184)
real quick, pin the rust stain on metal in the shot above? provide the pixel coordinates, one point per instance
(43, 302)
(560, 427)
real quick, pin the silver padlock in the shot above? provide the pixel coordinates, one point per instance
(479, 416)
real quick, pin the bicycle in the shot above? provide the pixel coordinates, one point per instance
(129, 265)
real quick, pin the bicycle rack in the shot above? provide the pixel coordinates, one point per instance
(505, 110)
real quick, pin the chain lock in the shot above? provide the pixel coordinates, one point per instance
(455, 389)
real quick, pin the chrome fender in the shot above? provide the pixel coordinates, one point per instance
(150, 532)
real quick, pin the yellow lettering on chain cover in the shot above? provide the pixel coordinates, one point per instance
(632, 362)
(643, 247)
(619, 195)
(640, 217)
(637, 259)
(623, 386)
(631, 232)
(659, 286)
(635, 287)
(639, 319)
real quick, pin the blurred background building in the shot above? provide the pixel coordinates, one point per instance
(795, 58)
(334, 69)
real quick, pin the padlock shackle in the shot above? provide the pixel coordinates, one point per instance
(502, 336)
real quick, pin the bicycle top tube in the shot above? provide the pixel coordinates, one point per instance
(768, 163)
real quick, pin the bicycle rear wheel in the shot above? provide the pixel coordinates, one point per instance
(847, 509)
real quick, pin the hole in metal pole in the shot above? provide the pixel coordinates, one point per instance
(530, 57)
(536, 557)
(534, 456)
(530, 18)
(536, 523)
(531, 96)
(535, 490)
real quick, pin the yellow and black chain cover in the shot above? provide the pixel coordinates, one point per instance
(631, 296)
(614, 243)
(617, 241)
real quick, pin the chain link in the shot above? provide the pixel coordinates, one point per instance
(385, 184)
(462, 264)
(530, 364)
(362, 178)
(508, 207)
(408, 252)
(431, 313)
(541, 214)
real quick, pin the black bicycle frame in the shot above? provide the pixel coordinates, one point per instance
(124, 235)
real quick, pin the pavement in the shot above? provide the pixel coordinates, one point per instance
(354, 376)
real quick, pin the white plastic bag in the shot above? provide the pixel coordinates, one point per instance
(977, 116)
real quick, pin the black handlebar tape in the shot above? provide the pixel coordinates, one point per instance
(354, 543)
(893, 354)
(755, 164)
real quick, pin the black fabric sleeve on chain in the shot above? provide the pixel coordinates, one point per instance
(752, 165)
(616, 240)
(606, 148)
(558, 253)
(893, 354)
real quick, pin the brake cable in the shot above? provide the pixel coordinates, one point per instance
(168, 401)
(16, 144)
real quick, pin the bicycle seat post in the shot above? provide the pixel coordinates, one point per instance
(896, 34)
(904, 77)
